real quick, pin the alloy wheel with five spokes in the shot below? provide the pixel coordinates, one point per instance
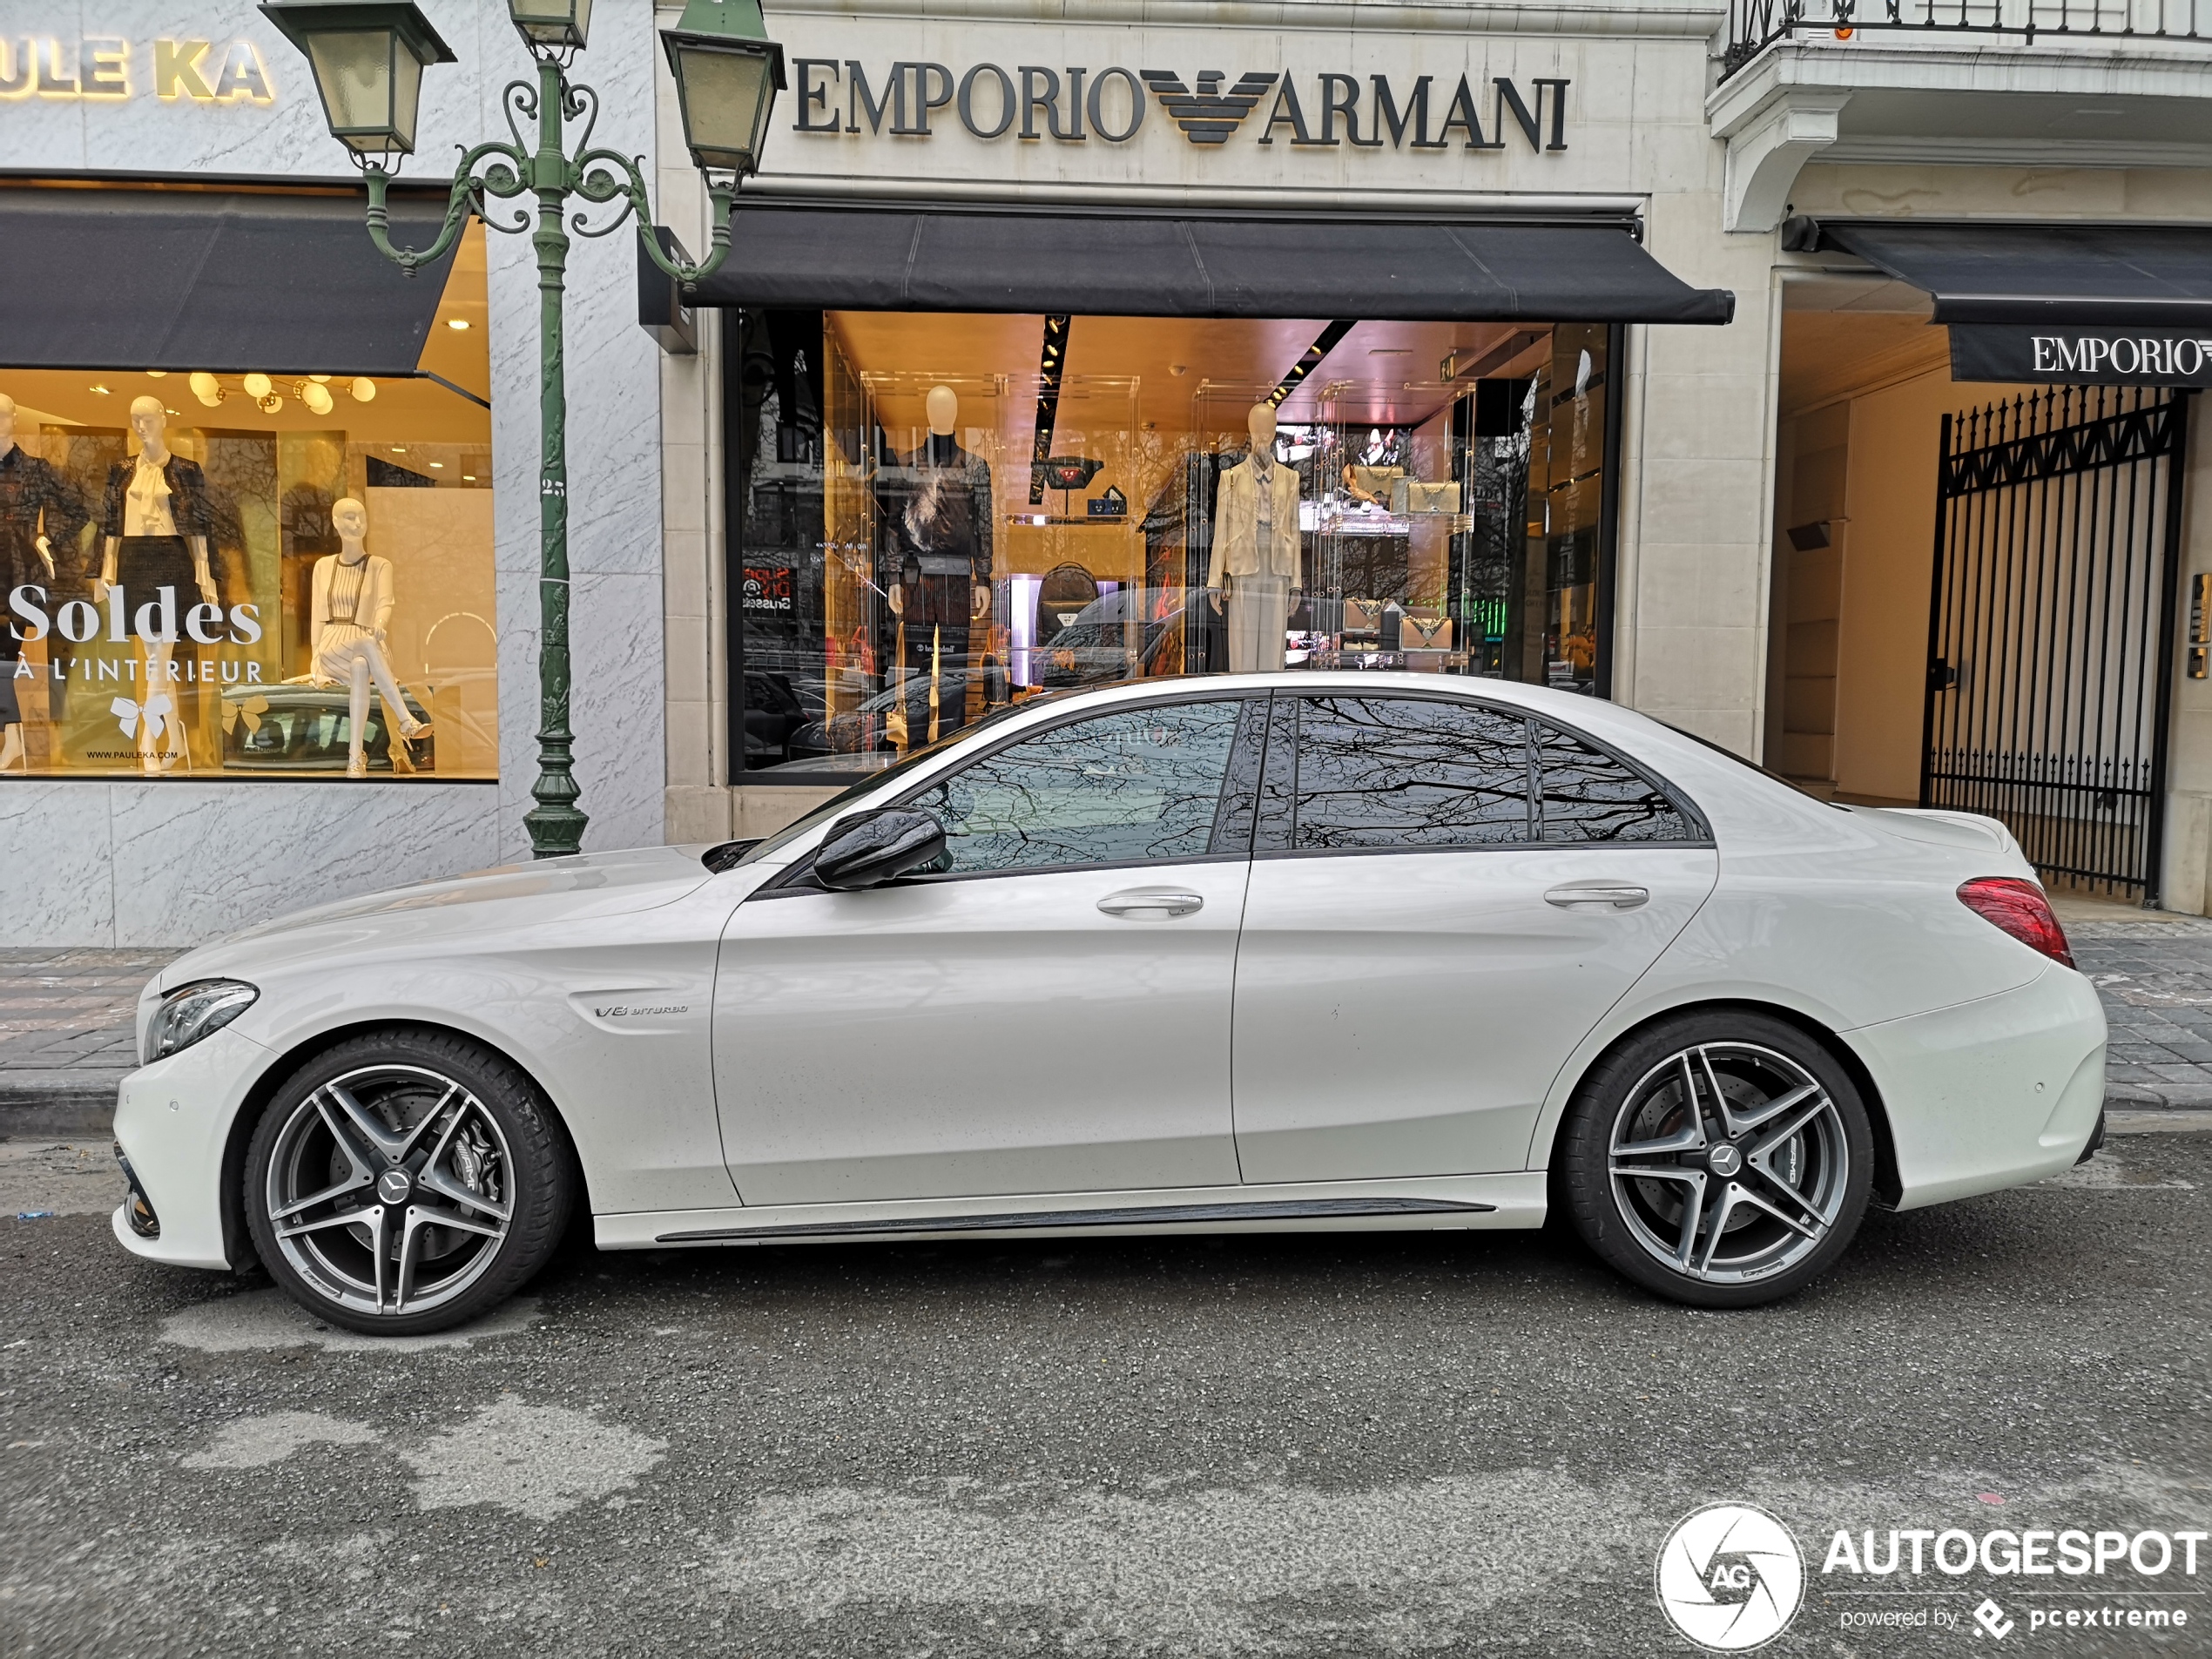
(406, 1181)
(1720, 1160)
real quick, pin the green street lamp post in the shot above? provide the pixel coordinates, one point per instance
(369, 57)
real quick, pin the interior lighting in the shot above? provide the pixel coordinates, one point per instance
(363, 388)
(257, 386)
(438, 465)
(102, 391)
(157, 375)
(457, 322)
(205, 388)
(317, 398)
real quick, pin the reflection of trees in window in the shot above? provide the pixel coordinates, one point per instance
(1589, 796)
(1405, 772)
(1134, 785)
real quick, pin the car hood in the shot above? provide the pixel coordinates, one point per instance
(430, 913)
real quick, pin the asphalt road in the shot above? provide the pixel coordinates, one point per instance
(1426, 1443)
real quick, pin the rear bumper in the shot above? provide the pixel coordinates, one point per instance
(1993, 1093)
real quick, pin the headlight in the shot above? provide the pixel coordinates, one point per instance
(193, 1011)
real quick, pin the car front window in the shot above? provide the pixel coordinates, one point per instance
(1136, 784)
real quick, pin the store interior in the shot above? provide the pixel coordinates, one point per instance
(270, 695)
(936, 515)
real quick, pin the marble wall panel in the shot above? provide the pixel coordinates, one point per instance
(57, 852)
(194, 861)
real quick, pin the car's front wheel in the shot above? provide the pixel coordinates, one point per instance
(1723, 1159)
(403, 1182)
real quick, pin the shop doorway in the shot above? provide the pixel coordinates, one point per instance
(2058, 533)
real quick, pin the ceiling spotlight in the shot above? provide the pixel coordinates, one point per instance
(438, 466)
(364, 389)
(467, 477)
(257, 386)
(398, 448)
(457, 322)
(102, 391)
(317, 398)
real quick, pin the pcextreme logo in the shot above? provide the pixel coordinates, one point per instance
(1730, 1577)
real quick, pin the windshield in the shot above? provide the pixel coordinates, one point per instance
(891, 774)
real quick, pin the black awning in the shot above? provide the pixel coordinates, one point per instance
(2051, 274)
(856, 259)
(228, 282)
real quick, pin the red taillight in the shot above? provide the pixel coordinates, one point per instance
(2020, 909)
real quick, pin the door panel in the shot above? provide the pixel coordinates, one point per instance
(1003, 1034)
(1404, 1014)
(1047, 1011)
(1448, 896)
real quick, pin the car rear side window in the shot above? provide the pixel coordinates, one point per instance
(1134, 785)
(1588, 795)
(1386, 772)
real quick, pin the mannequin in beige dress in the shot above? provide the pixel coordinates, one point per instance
(1256, 548)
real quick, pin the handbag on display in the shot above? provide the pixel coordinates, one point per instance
(1426, 633)
(1378, 483)
(1412, 495)
(1362, 616)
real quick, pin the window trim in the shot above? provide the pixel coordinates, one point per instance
(1530, 718)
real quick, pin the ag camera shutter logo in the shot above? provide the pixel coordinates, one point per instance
(1730, 1577)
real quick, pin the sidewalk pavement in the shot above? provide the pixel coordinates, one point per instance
(66, 1033)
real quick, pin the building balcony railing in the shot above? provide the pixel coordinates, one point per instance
(1755, 24)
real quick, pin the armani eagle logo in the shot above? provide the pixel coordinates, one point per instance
(1208, 115)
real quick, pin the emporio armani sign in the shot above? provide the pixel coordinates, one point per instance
(1076, 105)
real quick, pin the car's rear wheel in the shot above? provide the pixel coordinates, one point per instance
(1723, 1159)
(403, 1182)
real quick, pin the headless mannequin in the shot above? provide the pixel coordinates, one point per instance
(1258, 602)
(353, 600)
(149, 419)
(11, 754)
(945, 606)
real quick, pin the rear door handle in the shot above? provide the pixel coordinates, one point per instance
(1620, 897)
(1140, 904)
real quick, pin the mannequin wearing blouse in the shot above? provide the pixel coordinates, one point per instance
(350, 605)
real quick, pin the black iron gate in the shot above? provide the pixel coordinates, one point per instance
(2051, 630)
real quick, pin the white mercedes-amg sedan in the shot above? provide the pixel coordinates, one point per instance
(1259, 953)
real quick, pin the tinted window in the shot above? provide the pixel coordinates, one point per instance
(1589, 796)
(1137, 783)
(1408, 771)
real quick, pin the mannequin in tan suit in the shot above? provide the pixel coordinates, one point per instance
(351, 607)
(1256, 548)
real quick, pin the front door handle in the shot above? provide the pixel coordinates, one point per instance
(1620, 897)
(1143, 904)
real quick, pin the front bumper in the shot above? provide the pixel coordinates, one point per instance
(1993, 1093)
(173, 1121)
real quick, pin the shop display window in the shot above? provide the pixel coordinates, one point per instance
(253, 576)
(936, 515)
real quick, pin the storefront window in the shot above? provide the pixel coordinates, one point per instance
(257, 576)
(935, 516)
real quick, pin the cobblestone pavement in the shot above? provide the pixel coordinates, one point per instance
(2155, 978)
(65, 1015)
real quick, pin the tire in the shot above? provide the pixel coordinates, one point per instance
(461, 1180)
(1780, 1164)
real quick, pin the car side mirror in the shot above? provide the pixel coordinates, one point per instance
(873, 848)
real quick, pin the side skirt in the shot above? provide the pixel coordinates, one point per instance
(1456, 1202)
